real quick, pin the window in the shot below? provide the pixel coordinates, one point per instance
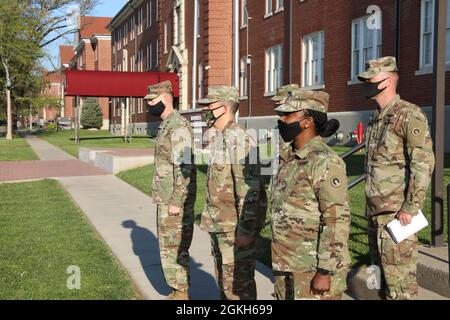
(165, 37)
(132, 28)
(156, 10)
(313, 57)
(157, 53)
(200, 81)
(140, 21)
(279, 5)
(132, 64)
(149, 54)
(178, 20)
(366, 45)
(274, 71)
(150, 13)
(125, 34)
(243, 82)
(244, 13)
(197, 18)
(268, 8)
(427, 33)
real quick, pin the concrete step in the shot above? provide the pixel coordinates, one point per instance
(117, 160)
(432, 277)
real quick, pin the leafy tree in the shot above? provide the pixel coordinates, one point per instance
(91, 114)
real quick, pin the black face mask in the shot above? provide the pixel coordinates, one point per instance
(370, 89)
(210, 118)
(289, 131)
(158, 109)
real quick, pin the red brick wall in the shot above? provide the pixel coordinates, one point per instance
(335, 18)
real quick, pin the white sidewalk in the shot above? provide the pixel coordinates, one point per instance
(126, 219)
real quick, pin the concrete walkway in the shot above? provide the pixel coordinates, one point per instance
(126, 219)
(47, 151)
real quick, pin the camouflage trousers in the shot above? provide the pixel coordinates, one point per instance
(297, 286)
(398, 262)
(175, 237)
(235, 269)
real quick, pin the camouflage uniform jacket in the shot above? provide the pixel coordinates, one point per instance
(235, 194)
(310, 213)
(399, 160)
(174, 177)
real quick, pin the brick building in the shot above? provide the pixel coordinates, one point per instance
(324, 44)
(319, 44)
(190, 38)
(66, 54)
(92, 51)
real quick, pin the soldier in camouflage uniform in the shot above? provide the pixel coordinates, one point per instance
(310, 215)
(235, 207)
(173, 188)
(399, 165)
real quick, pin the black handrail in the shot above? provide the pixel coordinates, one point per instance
(448, 230)
(357, 181)
(353, 150)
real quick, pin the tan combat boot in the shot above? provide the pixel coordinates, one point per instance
(178, 295)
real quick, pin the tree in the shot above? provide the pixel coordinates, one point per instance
(91, 115)
(17, 50)
(58, 18)
(26, 28)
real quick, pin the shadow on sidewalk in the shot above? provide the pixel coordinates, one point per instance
(146, 247)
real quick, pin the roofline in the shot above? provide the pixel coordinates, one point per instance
(117, 19)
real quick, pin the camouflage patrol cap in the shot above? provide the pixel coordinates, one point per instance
(304, 99)
(157, 89)
(284, 90)
(221, 93)
(376, 66)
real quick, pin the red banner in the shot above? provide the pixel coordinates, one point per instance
(115, 84)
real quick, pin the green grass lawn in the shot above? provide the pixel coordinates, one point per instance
(43, 233)
(141, 179)
(16, 149)
(64, 139)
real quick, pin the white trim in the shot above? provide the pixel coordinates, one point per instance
(315, 87)
(429, 70)
(307, 44)
(243, 98)
(362, 25)
(269, 94)
(353, 82)
(268, 15)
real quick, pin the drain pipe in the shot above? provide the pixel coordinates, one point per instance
(236, 47)
(194, 55)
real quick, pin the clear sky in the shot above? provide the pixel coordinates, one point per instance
(105, 8)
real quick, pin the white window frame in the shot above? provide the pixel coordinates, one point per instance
(140, 21)
(273, 74)
(268, 8)
(308, 71)
(200, 81)
(377, 45)
(156, 10)
(422, 64)
(279, 5)
(165, 37)
(197, 19)
(243, 78)
(244, 14)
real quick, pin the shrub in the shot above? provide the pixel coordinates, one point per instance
(91, 114)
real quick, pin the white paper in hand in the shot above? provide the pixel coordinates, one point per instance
(400, 233)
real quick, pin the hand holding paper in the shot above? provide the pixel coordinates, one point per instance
(400, 233)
